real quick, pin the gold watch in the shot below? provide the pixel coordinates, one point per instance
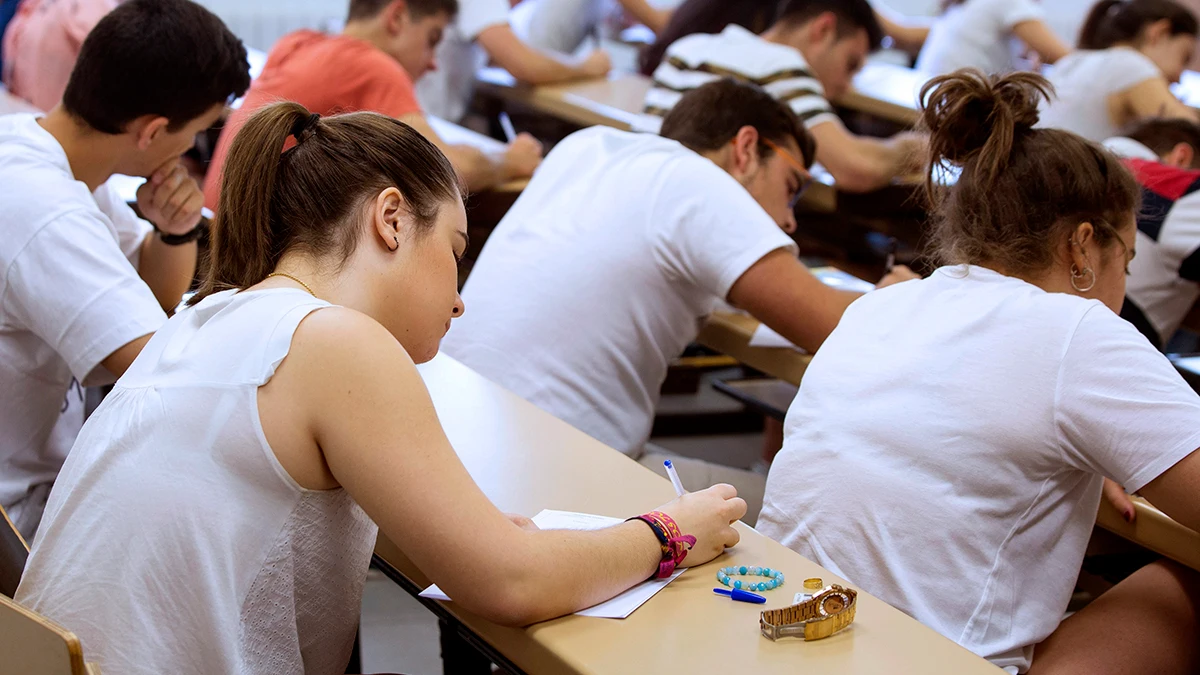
(826, 613)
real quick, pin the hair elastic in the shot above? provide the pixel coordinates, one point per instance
(304, 124)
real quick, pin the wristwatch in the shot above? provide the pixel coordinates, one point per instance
(826, 613)
(187, 237)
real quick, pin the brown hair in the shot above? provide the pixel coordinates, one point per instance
(709, 116)
(369, 9)
(275, 200)
(852, 16)
(1021, 189)
(706, 16)
(1115, 21)
(1161, 135)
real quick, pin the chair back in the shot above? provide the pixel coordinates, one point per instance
(31, 643)
(13, 554)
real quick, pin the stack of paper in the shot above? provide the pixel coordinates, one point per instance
(617, 608)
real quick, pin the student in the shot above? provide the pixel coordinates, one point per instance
(977, 412)
(706, 16)
(1130, 52)
(281, 417)
(385, 46)
(447, 91)
(806, 59)
(636, 238)
(1164, 279)
(42, 42)
(979, 34)
(562, 25)
(85, 280)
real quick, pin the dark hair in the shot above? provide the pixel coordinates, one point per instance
(707, 16)
(1021, 189)
(155, 57)
(1115, 21)
(708, 117)
(307, 196)
(1161, 135)
(369, 9)
(852, 16)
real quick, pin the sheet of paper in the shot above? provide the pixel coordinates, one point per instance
(835, 278)
(616, 608)
(765, 337)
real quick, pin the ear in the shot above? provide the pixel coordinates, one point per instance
(1156, 31)
(1180, 156)
(146, 129)
(744, 160)
(1077, 246)
(396, 17)
(823, 29)
(388, 213)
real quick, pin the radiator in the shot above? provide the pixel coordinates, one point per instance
(259, 23)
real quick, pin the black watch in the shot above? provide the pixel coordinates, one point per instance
(186, 238)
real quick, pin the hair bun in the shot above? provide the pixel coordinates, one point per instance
(969, 114)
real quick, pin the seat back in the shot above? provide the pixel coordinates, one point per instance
(32, 643)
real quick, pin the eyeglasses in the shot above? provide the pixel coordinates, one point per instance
(806, 179)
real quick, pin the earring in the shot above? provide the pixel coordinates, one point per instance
(397, 244)
(1076, 275)
(455, 310)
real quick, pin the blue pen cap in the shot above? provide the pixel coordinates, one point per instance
(740, 595)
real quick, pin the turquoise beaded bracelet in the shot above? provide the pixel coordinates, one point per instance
(775, 576)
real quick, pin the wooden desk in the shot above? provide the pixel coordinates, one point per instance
(613, 102)
(526, 460)
(1155, 530)
(729, 333)
(886, 91)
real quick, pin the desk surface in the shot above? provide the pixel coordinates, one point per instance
(886, 91)
(526, 460)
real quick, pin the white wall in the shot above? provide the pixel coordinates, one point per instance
(259, 23)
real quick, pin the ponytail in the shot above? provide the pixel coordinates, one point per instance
(276, 197)
(1111, 22)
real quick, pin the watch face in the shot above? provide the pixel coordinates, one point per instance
(834, 603)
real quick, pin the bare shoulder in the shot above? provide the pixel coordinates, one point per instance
(337, 344)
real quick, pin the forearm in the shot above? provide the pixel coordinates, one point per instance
(167, 270)
(654, 19)
(563, 571)
(537, 67)
(476, 168)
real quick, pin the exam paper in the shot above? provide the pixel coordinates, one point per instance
(765, 337)
(616, 608)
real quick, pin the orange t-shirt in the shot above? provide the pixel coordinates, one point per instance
(328, 74)
(42, 43)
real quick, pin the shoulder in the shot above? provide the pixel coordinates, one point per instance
(1130, 62)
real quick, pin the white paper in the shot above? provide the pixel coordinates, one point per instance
(835, 278)
(616, 608)
(765, 337)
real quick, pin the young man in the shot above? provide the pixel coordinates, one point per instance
(481, 33)
(1164, 277)
(85, 280)
(385, 47)
(807, 58)
(42, 43)
(606, 266)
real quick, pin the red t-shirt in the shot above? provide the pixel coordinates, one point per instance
(328, 74)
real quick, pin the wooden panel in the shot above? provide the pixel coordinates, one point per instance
(30, 643)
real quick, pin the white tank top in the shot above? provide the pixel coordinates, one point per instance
(174, 540)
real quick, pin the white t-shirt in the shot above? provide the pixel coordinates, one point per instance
(975, 34)
(447, 91)
(1164, 277)
(70, 295)
(602, 272)
(946, 448)
(174, 540)
(1083, 82)
(701, 58)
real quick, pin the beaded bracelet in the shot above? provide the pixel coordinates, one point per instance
(775, 576)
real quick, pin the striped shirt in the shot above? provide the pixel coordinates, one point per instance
(699, 59)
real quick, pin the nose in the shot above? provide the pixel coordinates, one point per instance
(789, 222)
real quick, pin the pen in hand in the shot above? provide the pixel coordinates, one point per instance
(679, 491)
(510, 132)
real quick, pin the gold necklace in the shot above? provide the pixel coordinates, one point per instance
(285, 274)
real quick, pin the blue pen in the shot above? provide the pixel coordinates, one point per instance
(671, 473)
(740, 595)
